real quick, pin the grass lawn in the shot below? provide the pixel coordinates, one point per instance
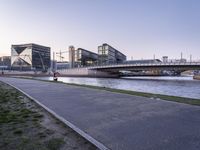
(26, 126)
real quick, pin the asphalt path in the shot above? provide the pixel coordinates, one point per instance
(119, 121)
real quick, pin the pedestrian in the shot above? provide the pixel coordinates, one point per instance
(55, 76)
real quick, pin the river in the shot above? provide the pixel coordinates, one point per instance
(176, 86)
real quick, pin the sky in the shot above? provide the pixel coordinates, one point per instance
(138, 28)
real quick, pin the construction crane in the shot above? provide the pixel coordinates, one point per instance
(59, 54)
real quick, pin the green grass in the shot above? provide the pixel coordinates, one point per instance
(55, 143)
(18, 132)
(20, 126)
(38, 116)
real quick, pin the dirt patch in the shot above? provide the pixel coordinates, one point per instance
(24, 125)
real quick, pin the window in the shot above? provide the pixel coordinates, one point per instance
(106, 47)
(100, 48)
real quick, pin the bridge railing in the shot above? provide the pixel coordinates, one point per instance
(138, 64)
(145, 64)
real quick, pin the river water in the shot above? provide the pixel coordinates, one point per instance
(176, 86)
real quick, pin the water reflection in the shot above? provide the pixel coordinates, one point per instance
(177, 86)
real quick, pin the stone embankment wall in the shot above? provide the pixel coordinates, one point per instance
(84, 72)
(24, 73)
(75, 72)
(197, 77)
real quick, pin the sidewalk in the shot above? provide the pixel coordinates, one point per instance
(119, 121)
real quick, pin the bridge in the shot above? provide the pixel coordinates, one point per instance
(115, 69)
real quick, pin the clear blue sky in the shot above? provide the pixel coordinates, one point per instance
(139, 28)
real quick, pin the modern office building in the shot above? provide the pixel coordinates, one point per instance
(85, 58)
(109, 55)
(62, 65)
(81, 57)
(30, 56)
(5, 61)
(165, 59)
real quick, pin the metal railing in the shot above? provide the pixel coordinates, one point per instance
(145, 64)
(120, 65)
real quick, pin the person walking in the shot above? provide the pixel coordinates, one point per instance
(55, 76)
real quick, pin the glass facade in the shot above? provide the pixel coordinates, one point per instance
(82, 58)
(109, 55)
(5, 61)
(30, 56)
(85, 58)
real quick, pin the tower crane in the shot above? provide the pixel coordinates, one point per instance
(59, 54)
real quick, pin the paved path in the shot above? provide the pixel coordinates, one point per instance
(119, 121)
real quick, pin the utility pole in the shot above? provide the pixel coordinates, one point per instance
(181, 55)
(60, 56)
(190, 58)
(53, 64)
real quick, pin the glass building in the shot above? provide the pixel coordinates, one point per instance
(5, 61)
(30, 57)
(85, 58)
(81, 57)
(109, 55)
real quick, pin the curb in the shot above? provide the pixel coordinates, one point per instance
(69, 124)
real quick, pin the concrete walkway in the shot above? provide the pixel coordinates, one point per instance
(119, 121)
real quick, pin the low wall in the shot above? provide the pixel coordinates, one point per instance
(76, 72)
(23, 73)
(84, 72)
(196, 77)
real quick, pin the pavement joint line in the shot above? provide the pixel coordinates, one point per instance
(72, 126)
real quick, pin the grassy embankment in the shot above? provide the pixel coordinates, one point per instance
(26, 126)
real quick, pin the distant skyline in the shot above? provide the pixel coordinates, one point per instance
(138, 28)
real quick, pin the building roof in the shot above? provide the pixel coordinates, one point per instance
(28, 44)
(87, 51)
(105, 44)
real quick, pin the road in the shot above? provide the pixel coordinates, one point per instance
(119, 121)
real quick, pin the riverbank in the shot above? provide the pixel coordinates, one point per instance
(117, 121)
(25, 125)
(196, 77)
(148, 95)
(178, 99)
(175, 86)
